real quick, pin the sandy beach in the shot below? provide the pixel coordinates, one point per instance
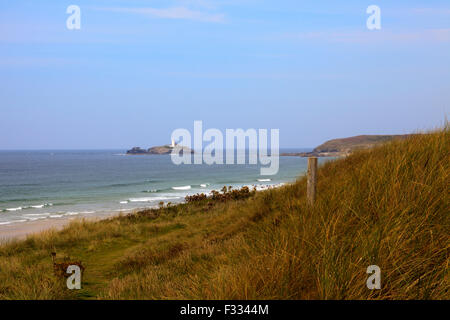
(20, 231)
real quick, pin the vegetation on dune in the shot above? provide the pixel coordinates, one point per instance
(388, 206)
(226, 195)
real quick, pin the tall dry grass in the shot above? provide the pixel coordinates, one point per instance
(388, 207)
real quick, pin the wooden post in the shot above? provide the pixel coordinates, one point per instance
(312, 180)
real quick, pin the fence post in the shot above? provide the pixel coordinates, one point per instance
(312, 180)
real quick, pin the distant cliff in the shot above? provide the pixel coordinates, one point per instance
(158, 150)
(344, 146)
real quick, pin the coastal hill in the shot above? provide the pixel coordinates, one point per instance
(385, 206)
(345, 146)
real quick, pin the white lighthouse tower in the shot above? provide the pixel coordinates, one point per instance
(173, 143)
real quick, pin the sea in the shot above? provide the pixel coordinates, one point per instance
(52, 184)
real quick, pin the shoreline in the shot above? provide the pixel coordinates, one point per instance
(20, 231)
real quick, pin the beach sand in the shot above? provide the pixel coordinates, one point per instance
(20, 231)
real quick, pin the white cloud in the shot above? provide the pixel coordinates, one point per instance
(172, 13)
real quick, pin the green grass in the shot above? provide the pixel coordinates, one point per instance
(387, 206)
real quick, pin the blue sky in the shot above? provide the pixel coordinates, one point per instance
(139, 69)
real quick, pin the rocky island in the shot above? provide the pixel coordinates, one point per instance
(345, 146)
(166, 149)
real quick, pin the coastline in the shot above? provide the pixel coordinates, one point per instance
(20, 231)
(55, 185)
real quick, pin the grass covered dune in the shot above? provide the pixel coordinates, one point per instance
(388, 206)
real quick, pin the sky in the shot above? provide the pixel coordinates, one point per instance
(138, 69)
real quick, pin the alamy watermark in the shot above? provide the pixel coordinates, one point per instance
(374, 20)
(374, 280)
(73, 22)
(238, 145)
(74, 280)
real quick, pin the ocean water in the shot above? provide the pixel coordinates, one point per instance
(36, 185)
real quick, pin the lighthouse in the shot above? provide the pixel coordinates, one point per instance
(173, 143)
